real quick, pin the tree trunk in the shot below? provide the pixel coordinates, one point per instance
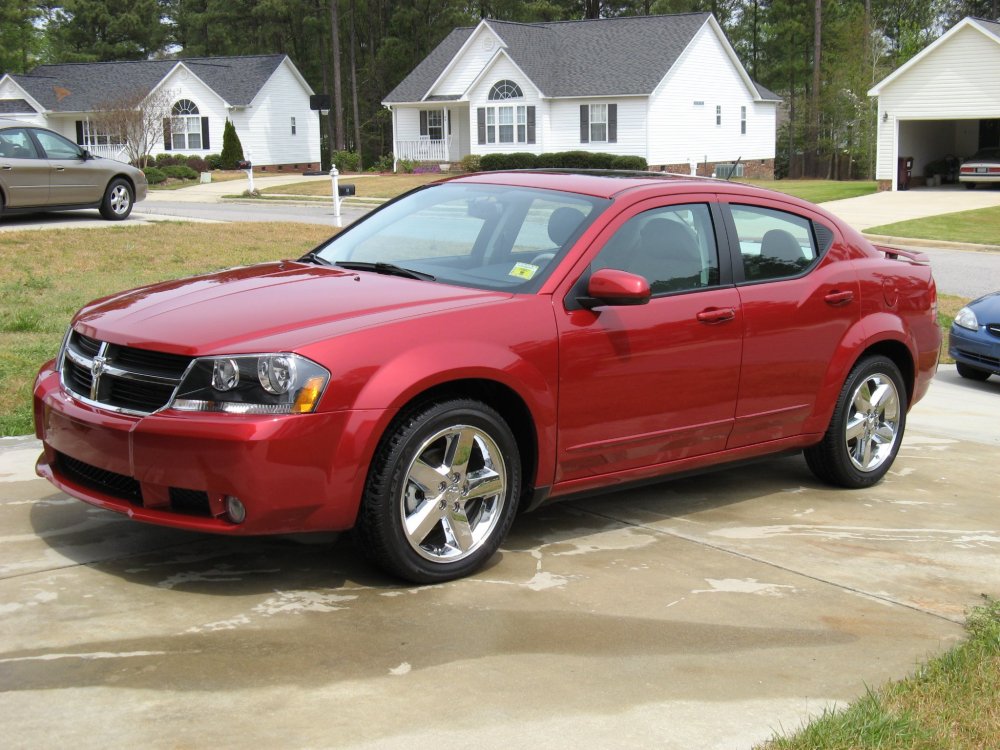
(338, 94)
(354, 87)
(817, 59)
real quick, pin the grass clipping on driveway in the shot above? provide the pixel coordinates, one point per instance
(950, 703)
(46, 276)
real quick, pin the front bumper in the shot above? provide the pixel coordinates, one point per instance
(979, 349)
(293, 473)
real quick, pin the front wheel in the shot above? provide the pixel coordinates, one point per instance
(441, 493)
(866, 429)
(118, 200)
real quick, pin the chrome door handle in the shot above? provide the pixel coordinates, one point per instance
(6, 168)
(60, 169)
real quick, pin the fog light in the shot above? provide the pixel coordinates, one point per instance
(235, 509)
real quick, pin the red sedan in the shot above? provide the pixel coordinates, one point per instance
(485, 345)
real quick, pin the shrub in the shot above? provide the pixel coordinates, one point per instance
(180, 172)
(516, 160)
(630, 162)
(406, 165)
(154, 176)
(165, 160)
(232, 149)
(384, 164)
(427, 169)
(197, 164)
(346, 161)
(470, 163)
(214, 161)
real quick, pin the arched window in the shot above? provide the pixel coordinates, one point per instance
(185, 126)
(505, 90)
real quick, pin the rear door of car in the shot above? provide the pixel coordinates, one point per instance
(644, 385)
(74, 180)
(799, 295)
(24, 171)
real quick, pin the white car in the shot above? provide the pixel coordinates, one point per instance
(983, 167)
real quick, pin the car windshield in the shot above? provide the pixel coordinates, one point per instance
(495, 237)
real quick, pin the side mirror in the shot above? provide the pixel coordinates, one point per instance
(85, 155)
(615, 288)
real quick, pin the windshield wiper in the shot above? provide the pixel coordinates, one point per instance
(313, 256)
(388, 269)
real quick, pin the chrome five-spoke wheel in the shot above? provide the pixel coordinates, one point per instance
(454, 493)
(118, 199)
(866, 428)
(441, 492)
(873, 423)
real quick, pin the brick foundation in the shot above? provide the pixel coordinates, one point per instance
(884, 185)
(311, 166)
(758, 169)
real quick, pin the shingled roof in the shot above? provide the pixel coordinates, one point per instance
(83, 87)
(603, 57)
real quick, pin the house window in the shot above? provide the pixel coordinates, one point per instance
(185, 126)
(95, 134)
(513, 124)
(718, 114)
(505, 90)
(743, 120)
(598, 123)
(293, 126)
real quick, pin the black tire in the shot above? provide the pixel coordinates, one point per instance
(118, 200)
(864, 433)
(969, 185)
(441, 517)
(972, 373)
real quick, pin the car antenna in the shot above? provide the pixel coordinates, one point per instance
(733, 170)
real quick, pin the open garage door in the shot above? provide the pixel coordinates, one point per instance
(938, 146)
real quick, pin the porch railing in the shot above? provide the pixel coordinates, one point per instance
(424, 150)
(108, 152)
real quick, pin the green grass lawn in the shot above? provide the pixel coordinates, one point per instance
(46, 276)
(981, 227)
(950, 703)
(818, 191)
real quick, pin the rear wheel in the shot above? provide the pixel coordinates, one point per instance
(969, 185)
(972, 373)
(441, 493)
(118, 200)
(866, 429)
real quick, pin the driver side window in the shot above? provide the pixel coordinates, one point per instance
(672, 247)
(16, 144)
(57, 147)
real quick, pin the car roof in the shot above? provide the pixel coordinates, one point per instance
(611, 184)
(6, 122)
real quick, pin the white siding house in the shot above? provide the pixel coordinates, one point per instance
(944, 102)
(669, 89)
(264, 96)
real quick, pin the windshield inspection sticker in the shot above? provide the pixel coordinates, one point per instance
(523, 271)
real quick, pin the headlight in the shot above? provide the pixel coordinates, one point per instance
(252, 384)
(967, 319)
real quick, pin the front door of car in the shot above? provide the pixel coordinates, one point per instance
(24, 171)
(645, 385)
(799, 299)
(74, 180)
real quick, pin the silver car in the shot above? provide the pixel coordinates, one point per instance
(41, 170)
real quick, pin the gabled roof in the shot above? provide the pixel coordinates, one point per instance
(990, 29)
(604, 57)
(15, 107)
(82, 87)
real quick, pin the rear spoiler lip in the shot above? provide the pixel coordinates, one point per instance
(895, 253)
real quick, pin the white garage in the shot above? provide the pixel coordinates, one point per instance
(942, 105)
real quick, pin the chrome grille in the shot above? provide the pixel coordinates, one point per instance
(994, 328)
(122, 378)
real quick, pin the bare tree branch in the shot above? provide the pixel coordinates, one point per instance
(137, 120)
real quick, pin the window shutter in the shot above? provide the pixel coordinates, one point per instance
(79, 132)
(481, 124)
(167, 145)
(531, 124)
(584, 123)
(612, 123)
(204, 133)
(423, 122)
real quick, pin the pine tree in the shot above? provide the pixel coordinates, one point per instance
(232, 149)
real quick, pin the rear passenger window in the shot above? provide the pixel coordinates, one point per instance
(773, 244)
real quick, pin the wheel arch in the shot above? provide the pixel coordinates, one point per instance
(500, 397)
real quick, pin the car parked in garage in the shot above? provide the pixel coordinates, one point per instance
(982, 168)
(974, 339)
(41, 170)
(485, 345)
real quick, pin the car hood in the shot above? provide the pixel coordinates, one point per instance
(279, 305)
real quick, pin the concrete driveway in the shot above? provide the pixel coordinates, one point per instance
(704, 612)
